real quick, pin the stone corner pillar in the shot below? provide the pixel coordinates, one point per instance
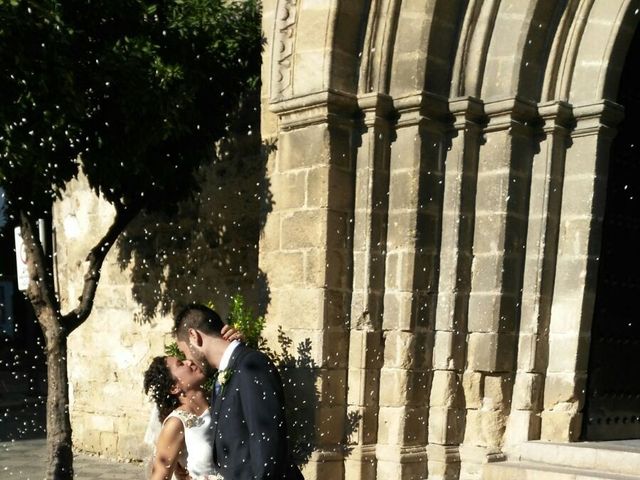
(305, 255)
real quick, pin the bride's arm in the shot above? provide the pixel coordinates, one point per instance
(181, 472)
(170, 443)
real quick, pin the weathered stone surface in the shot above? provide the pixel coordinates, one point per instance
(397, 311)
(566, 352)
(472, 385)
(363, 422)
(290, 271)
(445, 389)
(404, 350)
(403, 387)
(332, 385)
(305, 143)
(360, 467)
(324, 464)
(491, 352)
(289, 188)
(560, 426)
(485, 428)
(560, 390)
(522, 426)
(446, 425)
(303, 229)
(527, 391)
(308, 310)
(365, 349)
(497, 391)
(329, 426)
(449, 350)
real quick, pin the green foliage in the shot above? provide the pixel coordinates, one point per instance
(141, 90)
(242, 318)
(172, 350)
(41, 103)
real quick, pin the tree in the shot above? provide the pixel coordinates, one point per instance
(135, 94)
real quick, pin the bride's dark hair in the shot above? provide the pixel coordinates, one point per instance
(157, 383)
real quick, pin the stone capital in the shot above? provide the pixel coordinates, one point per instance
(599, 117)
(423, 109)
(330, 107)
(377, 108)
(556, 115)
(467, 111)
(511, 113)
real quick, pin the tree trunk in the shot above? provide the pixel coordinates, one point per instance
(42, 297)
(57, 327)
(60, 455)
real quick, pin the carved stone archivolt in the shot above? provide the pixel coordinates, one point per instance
(283, 53)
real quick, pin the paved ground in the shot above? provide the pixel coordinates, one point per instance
(23, 449)
(26, 459)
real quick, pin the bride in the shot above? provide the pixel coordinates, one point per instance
(185, 439)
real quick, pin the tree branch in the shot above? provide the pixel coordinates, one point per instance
(40, 291)
(95, 258)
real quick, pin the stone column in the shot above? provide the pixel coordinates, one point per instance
(446, 410)
(502, 197)
(539, 270)
(305, 253)
(583, 200)
(415, 195)
(370, 233)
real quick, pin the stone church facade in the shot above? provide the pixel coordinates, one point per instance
(438, 188)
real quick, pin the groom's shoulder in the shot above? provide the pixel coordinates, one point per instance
(248, 356)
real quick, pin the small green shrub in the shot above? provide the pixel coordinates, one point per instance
(242, 318)
(172, 350)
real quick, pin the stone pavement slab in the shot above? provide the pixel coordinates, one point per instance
(26, 460)
(23, 447)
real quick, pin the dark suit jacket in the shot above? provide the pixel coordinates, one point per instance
(249, 423)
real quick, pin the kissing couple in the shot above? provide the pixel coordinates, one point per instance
(240, 433)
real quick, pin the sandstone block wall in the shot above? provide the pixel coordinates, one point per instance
(207, 251)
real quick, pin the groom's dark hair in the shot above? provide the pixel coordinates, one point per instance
(198, 317)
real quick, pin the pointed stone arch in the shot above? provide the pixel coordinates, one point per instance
(607, 29)
(518, 49)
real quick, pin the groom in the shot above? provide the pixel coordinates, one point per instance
(250, 432)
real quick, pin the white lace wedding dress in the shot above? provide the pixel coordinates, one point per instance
(198, 437)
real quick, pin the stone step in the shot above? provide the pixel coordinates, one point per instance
(621, 457)
(522, 470)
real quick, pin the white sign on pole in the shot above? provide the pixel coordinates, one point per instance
(21, 261)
